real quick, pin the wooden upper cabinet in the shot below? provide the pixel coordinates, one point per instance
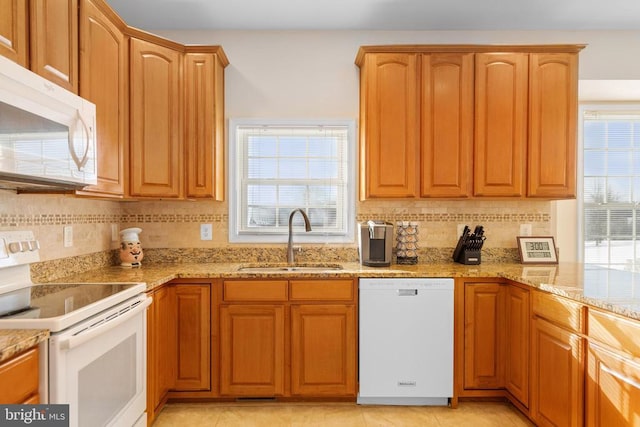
(204, 126)
(501, 83)
(14, 31)
(553, 110)
(104, 80)
(490, 121)
(156, 157)
(54, 41)
(446, 124)
(390, 132)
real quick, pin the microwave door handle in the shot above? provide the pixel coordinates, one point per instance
(80, 162)
(67, 343)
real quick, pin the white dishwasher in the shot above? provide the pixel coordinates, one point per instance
(406, 341)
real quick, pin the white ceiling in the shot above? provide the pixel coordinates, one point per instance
(380, 14)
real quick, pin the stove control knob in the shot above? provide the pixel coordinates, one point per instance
(15, 247)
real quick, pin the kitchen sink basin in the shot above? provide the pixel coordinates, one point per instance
(303, 268)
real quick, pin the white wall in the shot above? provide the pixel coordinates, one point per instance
(311, 74)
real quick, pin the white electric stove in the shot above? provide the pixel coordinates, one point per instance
(95, 358)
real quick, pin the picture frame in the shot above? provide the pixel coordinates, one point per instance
(537, 250)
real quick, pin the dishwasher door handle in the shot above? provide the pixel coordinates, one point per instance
(407, 292)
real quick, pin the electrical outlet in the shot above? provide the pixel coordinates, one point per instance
(525, 229)
(206, 231)
(114, 233)
(67, 236)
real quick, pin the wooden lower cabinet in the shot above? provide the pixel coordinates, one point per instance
(484, 335)
(613, 370)
(556, 376)
(252, 350)
(161, 348)
(492, 340)
(323, 350)
(19, 378)
(193, 333)
(613, 389)
(517, 323)
(288, 338)
(179, 343)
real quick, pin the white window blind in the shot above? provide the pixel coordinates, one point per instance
(611, 187)
(281, 167)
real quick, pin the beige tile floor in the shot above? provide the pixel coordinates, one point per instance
(251, 414)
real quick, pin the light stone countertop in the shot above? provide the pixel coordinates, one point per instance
(15, 341)
(612, 290)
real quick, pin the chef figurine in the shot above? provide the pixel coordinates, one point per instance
(130, 248)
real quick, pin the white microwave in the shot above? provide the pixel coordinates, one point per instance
(47, 134)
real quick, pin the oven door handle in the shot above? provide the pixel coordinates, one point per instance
(109, 323)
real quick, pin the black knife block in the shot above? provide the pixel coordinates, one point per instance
(470, 257)
(468, 251)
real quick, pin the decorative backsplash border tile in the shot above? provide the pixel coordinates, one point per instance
(22, 220)
(455, 217)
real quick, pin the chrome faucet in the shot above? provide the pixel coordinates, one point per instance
(307, 226)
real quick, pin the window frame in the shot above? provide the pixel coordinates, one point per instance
(604, 106)
(235, 157)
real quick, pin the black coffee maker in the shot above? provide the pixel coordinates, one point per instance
(375, 239)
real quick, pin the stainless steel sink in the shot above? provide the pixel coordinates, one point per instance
(319, 268)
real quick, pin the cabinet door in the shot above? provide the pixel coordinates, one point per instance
(19, 378)
(517, 338)
(161, 348)
(613, 389)
(14, 31)
(501, 83)
(156, 138)
(484, 336)
(54, 41)
(204, 126)
(389, 127)
(447, 124)
(323, 350)
(104, 79)
(553, 110)
(556, 376)
(252, 350)
(193, 325)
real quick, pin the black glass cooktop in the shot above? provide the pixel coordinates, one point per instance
(55, 300)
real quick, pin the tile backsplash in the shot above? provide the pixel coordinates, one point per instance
(169, 225)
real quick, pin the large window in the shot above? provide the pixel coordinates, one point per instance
(277, 167)
(611, 185)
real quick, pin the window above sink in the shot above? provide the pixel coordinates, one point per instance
(277, 166)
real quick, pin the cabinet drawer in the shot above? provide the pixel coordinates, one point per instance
(615, 331)
(19, 378)
(558, 310)
(255, 290)
(326, 290)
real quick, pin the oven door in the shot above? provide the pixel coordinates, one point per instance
(98, 367)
